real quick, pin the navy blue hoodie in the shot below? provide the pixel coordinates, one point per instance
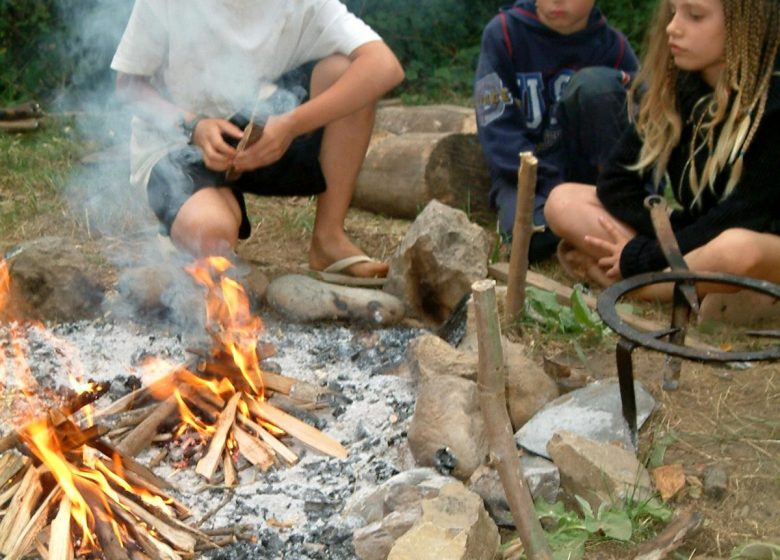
(523, 69)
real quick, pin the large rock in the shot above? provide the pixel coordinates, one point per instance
(303, 298)
(440, 257)
(453, 526)
(528, 387)
(594, 412)
(598, 472)
(428, 356)
(391, 510)
(447, 430)
(51, 279)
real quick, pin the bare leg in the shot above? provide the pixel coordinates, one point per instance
(344, 145)
(207, 223)
(736, 251)
(572, 211)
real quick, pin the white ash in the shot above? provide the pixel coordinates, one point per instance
(295, 512)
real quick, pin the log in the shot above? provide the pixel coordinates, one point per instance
(10, 465)
(22, 125)
(303, 432)
(130, 464)
(60, 541)
(401, 174)
(522, 231)
(278, 383)
(207, 466)
(20, 510)
(403, 119)
(141, 437)
(492, 401)
(252, 450)
(279, 448)
(152, 546)
(109, 543)
(26, 110)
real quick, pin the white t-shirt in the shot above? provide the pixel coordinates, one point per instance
(213, 56)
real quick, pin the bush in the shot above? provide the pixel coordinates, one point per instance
(48, 47)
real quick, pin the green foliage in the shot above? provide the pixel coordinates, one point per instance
(544, 310)
(49, 46)
(568, 533)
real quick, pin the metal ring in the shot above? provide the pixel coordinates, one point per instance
(607, 301)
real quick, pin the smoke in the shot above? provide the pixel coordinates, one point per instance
(99, 191)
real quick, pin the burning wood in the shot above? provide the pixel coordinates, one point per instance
(99, 505)
(223, 397)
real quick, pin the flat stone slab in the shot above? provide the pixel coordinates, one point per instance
(303, 298)
(593, 412)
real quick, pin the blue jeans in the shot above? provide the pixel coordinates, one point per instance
(592, 115)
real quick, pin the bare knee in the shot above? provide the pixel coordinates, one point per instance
(737, 252)
(207, 224)
(564, 203)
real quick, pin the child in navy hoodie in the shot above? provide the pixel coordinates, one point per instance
(551, 80)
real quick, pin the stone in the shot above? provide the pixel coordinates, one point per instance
(593, 412)
(302, 298)
(598, 472)
(528, 387)
(52, 280)
(716, 482)
(428, 356)
(447, 422)
(540, 475)
(389, 511)
(454, 525)
(440, 257)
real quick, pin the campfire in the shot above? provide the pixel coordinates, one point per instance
(75, 490)
(69, 493)
(222, 399)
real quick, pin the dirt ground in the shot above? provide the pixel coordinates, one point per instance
(719, 416)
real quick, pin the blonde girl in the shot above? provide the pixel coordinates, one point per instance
(706, 123)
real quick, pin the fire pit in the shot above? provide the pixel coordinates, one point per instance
(291, 509)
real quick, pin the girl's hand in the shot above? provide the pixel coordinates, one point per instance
(217, 154)
(612, 247)
(277, 136)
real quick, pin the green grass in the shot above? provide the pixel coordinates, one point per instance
(35, 167)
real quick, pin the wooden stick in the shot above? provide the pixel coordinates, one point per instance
(308, 435)
(281, 449)
(229, 469)
(10, 465)
(20, 510)
(492, 401)
(60, 542)
(522, 231)
(130, 464)
(177, 536)
(26, 539)
(207, 466)
(152, 546)
(141, 437)
(294, 388)
(109, 543)
(254, 452)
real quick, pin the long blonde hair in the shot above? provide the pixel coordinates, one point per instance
(735, 106)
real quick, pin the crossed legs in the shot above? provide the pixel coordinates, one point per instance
(208, 221)
(573, 211)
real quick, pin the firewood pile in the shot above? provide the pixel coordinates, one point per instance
(66, 492)
(224, 398)
(20, 118)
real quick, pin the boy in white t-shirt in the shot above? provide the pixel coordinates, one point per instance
(194, 71)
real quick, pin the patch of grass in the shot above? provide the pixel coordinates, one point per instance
(299, 218)
(35, 167)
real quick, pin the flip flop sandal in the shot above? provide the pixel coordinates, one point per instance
(334, 274)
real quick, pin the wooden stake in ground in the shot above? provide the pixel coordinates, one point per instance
(521, 237)
(492, 401)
